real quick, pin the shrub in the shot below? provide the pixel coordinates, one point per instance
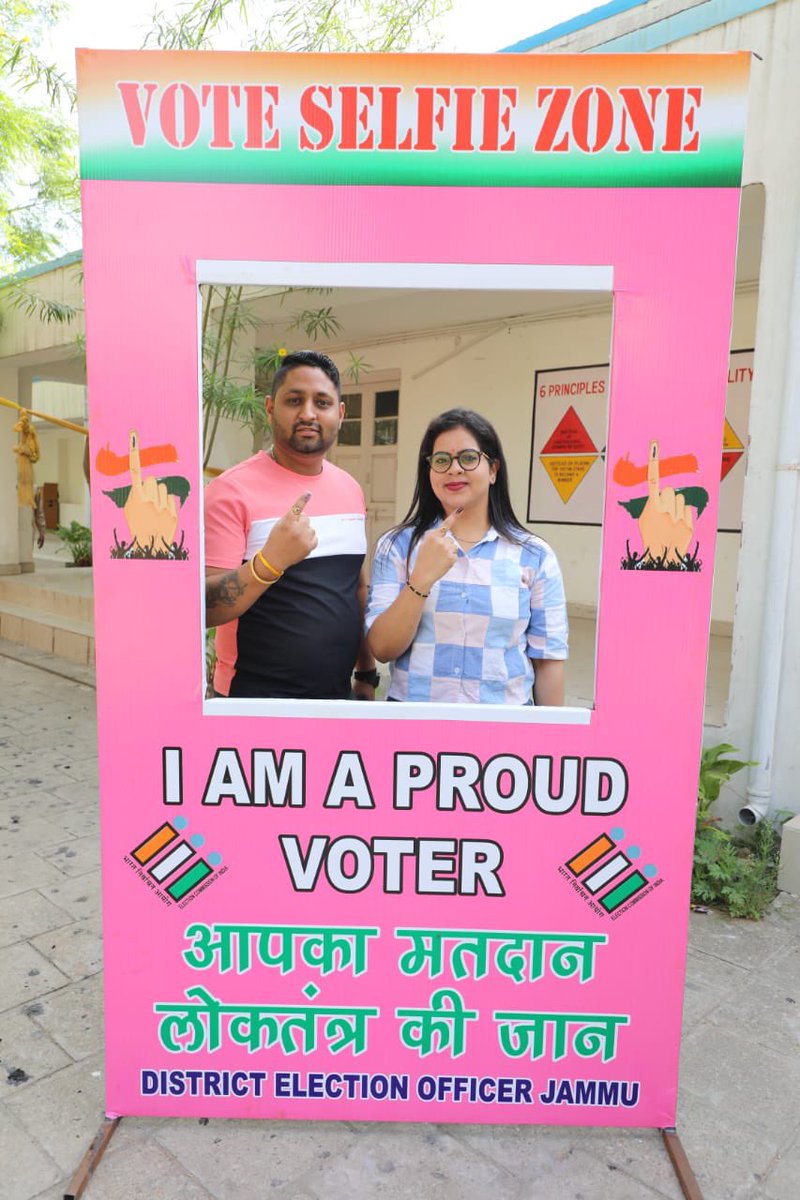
(737, 873)
(78, 540)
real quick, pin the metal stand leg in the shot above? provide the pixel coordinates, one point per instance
(680, 1164)
(76, 1186)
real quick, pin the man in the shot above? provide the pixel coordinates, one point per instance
(286, 586)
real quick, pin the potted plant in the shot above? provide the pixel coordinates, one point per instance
(78, 540)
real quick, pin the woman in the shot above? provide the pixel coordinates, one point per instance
(468, 606)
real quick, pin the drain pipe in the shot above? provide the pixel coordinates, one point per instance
(779, 564)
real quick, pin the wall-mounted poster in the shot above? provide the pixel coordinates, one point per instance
(734, 441)
(570, 414)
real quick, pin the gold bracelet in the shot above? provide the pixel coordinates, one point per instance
(269, 566)
(256, 576)
(416, 591)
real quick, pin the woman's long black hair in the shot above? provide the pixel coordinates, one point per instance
(425, 509)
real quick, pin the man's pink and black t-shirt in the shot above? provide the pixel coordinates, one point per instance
(301, 637)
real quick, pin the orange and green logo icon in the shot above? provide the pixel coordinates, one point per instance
(607, 873)
(165, 853)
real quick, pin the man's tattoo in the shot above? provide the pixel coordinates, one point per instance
(224, 591)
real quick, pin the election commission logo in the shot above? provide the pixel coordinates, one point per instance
(605, 874)
(169, 863)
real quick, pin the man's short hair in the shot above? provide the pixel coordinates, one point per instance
(307, 358)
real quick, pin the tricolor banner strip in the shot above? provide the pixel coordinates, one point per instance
(524, 120)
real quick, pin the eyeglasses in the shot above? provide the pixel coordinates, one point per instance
(466, 459)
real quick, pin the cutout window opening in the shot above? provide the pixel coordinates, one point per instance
(408, 348)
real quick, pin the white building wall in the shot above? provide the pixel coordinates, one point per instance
(29, 348)
(9, 535)
(61, 450)
(21, 335)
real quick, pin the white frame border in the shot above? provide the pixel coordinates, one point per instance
(434, 276)
(477, 277)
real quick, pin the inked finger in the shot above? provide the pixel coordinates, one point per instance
(299, 504)
(448, 522)
(134, 463)
(652, 471)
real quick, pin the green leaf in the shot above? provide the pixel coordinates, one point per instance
(357, 367)
(724, 770)
(712, 753)
(17, 294)
(176, 485)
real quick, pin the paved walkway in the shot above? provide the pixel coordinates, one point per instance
(739, 1114)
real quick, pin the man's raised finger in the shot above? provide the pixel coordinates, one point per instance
(300, 504)
(652, 471)
(133, 458)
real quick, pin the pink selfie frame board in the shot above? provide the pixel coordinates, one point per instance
(383, 915)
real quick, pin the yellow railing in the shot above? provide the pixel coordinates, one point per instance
(44, 417)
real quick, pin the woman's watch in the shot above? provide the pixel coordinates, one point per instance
(371, 677)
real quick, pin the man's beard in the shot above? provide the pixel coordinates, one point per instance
(306, 445)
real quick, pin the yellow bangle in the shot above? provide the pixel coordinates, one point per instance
(269, 566)
(256, 576)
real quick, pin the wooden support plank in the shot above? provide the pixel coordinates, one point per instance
(681, 1166)
(77, 1185)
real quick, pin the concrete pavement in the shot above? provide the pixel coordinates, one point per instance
(739, 1112)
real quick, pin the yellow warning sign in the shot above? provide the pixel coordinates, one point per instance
(729, 439)
(566, 471)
